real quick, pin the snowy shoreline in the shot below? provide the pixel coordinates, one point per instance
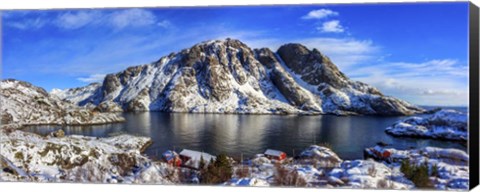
(119, 159)
(318, 166)
(444, 124)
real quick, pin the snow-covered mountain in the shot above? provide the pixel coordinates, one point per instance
(21, 103)
(76, 95)
(226, 76)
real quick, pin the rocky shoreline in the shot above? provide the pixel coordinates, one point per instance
(58, 158)
(446, 169)
(443, 124)
(119, 159)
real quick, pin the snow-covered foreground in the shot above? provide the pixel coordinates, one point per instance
(321, 167)
(58, 158)
(30, 157)
(450, 165)
(443, 124)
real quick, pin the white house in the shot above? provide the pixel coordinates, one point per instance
(192, 158)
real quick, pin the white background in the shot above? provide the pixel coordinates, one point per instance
(62, 187)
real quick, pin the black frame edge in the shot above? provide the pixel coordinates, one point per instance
(473, 146)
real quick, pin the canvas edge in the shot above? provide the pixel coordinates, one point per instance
(474, 135)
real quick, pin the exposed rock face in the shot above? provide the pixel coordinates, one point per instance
(313, 67)
(108, 106)
(24, 104)
(226, 76)
(339, 94)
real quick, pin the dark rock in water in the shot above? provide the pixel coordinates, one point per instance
(432, 111)
(382, 144)
(6, 119)
(59, 133)
(226, 76)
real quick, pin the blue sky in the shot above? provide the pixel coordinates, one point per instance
(417, 52)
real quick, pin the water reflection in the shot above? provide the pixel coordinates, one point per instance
(251, 134)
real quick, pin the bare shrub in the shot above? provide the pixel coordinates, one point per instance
(384, 184)
(173, 174)
(83, 173)
(325, 144)
(242, 172)
(285, 177)
(372, 171)
(123, 162)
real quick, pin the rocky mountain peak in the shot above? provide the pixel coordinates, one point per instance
(313, 67)
(227, 76)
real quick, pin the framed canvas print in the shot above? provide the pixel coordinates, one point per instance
(329, 96)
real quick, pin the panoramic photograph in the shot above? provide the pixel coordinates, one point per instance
(364, 96)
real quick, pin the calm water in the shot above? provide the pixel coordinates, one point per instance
(252, 134)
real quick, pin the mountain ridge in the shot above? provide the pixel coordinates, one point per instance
(227, 76)
(22, 103)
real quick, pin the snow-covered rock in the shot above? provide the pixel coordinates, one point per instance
(248, 182)
(385, 173)
(226, 76)
(370, 174)
(451, 164)
(30, 157)
(337, 173)
(323, 156)
(76, 95)
(443, 124)
(21, 103)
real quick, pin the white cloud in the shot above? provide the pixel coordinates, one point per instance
(433, 82)
(331, 27)
(92, 78)
(75, 20)
(35, 23)
(132, 17)
(344, 52)
(71, 20)
(431, 68)
(320, 14)
(164, 24)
